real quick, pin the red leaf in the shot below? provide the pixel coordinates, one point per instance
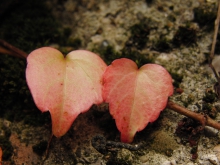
(64, 86)
(135, 96)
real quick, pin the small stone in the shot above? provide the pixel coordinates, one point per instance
(212, 158)
(96, 39)
(166, 163)
(210, 131)
(143, 158)
(105, 43)
(173, 162)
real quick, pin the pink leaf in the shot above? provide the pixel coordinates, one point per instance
(64, 86)
(135, 96)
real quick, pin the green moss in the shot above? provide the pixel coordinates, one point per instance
(190, 98)
(64, 39)
(136, 42)
(136, 56)
(210, 96)
(118, 161)
(139, 34)
(205, 16)
(177, 79)
(40, 148)
(210, 110)
(162, 45)
(171, 17)
(109, 54)
(163, 143)
(74, 42)
(185, 36)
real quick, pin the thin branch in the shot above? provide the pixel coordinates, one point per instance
(47, 150)
(9, 49)
(203, 119)
(214, 71)
(215, 33)
(212, 52)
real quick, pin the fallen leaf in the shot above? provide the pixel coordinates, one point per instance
(135, 96)
(66, 86)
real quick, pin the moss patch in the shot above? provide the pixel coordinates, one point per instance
(177, 79)
(163, 45)
(163, 143)
(185, 35)
(139, 34)
(205, 16)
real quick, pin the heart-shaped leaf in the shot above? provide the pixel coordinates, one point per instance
(135, 96)
(64, 86)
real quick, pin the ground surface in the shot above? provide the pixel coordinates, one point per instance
(103, 24)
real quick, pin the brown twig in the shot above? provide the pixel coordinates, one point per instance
(9, 49)
(203, 119)
(47, 150)
(212, 52)
(215, 33)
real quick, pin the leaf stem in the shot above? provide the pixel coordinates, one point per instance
(203, 119)
(47, 150)
(212, 52)
(9, 49)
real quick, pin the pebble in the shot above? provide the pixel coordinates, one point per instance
(212, 158)
(210, 131)
(173, 162)
(166, 163)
